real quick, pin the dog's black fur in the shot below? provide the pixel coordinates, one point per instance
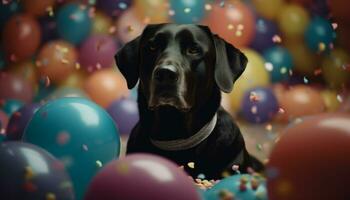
(178, 103)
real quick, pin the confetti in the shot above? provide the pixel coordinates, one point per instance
(190, 165)
(239, 33)
(171, 12)
(230, 27)
(222, 3)
(281, 111)
(50, 11)
(201, 176)
(85, 147)
(64, 61)
(334, 25)
(208, 7)
(268, 66)
(187, 10)
(306, 81)
(98, 163)
(254, 183)
(235, 167)
(77, 65)
(254, 97)
(50, 196)
(283, 70)
(122, 5)
(259, 147)
(339, 98)
(254, 109)
(276, 39)
(321, 46)
(318, 72)
(268, 127)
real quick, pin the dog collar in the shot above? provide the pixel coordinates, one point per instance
(183, 144)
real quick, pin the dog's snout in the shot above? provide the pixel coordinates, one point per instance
(166, 74)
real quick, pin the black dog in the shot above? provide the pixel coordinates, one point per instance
(182, 70)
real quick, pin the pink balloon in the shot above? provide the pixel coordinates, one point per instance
(142, 176)
(15, 87)
(128, 26)
(97, 52)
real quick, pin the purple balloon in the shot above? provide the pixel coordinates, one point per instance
(29, 172)
(142, 176)
(19, 121)
(265, 30)
(97, 52)
(114, 7)
(259, 105)
(125, 113)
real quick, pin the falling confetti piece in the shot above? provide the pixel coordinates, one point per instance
(268, 127)
(254, 97)
(222, 3)
(268, 66)
(187, 10)
(171, 12)
(201, 176)
(340, 98)
(276, 39)
(208, 7)
(306, 81)
(77, 65)
(85, 147)
(50, 196)
(318, 72)
(122, 5)
(235, 167)
(64, 61)
(50, 11)
(254, 109)
(98, 163)
(190, 165)
(239, 33)
(281, 110)
(112, 29)
(334, 25)
(230, 27)
(259, 147)
(283, 70)
(321, 46)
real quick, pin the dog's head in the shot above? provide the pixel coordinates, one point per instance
(178, 65)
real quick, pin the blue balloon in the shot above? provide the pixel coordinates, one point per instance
(319, 35)
(259, 105)
(11, 106)
(243, 186)
(187, 11)
(278, 62)
(73, 23)
(78, 132)
(265, 31)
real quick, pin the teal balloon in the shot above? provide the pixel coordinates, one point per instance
(278, 62)
(78, 132)
(187, 11)
(232, 186)
(73, 23)
(11, 106)
(319, 35)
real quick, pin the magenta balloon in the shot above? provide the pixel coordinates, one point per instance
(15, 87)
(97, 52)
(142, 176)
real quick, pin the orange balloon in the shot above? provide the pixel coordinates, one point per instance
(235, 23)
(21, 37)
(26, 70)
(301, 100)
(38, 7)
(56, 60)
(106, 86)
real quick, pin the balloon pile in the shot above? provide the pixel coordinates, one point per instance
(61, 91)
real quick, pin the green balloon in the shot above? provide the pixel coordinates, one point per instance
(78, 132)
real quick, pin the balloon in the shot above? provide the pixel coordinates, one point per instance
(335, 68)
(73, 23)
(255, 68)
(74, 80)
(31, 173)
(278, 62)
(125, 113)
(56, 60)
(187, 11)
(114, 7)
(38, 7)
(265, 32)
(14, 87)
(128, 26)
(302, 160)
(339, 10)
(330, 100)
(259, 105)
(157, 178)
(243, 186)
(97, 52)
(66, 92)
(48, 27)
(106, 86)
(237, 23)
(293, 20)
(79, 133)
(10, 106)
(21, 37)
(3, 120)
(7, 10)
(319, 35)
(305, 61)
(19, 121)
(301, 100)
(101, 23)
(268, 8)
(145, 10)
(26, 70)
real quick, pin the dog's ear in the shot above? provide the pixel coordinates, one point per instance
(127, 60)
(230, 63)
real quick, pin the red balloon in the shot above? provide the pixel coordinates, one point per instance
(15, 87)
(21, 37)
(311, 160)
(142, 176)
(234, 22)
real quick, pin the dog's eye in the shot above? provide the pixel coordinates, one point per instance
(193, 50)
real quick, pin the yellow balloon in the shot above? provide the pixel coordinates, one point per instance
(268, 8)
(152, 11)
(305, 61)
(101, 24)
(254, 75)
(335, 68)
(330, 100)
(74, 80)
(292, 20)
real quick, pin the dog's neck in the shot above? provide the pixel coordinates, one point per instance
(171, 124)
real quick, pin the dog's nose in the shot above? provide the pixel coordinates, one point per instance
(166, 74)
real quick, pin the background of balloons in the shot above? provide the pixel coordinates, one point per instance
(298, 67)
